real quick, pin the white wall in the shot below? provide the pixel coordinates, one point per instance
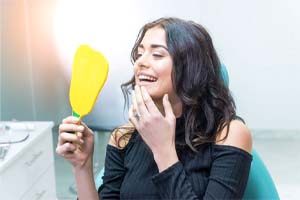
(32, 85)
(260, 44)
(257, 40)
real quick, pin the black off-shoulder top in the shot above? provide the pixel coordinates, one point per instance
(214, 172)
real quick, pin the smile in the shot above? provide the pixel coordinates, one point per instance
(148, 78)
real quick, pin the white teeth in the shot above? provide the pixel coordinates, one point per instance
(145, 77)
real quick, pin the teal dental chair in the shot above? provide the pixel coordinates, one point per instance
(260, 185)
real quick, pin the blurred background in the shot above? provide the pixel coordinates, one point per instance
(258, 41)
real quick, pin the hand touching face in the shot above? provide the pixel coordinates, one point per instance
(156, 129)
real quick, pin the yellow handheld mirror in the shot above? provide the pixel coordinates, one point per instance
(89, 73)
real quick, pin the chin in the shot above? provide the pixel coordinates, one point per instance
(154, 91)
(156, 96)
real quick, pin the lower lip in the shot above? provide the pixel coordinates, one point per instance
(145, 83)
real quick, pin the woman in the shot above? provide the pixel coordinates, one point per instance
(184, 140)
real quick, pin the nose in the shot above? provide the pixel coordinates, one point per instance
(143, 61)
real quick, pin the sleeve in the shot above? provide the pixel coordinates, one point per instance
(113, 174)
(172, 183)
(228, 177)
(229, 173)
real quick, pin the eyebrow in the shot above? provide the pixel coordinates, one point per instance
(153, 46)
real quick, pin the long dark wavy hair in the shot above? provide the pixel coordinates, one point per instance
(207, 105)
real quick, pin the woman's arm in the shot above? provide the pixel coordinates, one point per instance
(84, 178)
(78, 150)
(229, 171)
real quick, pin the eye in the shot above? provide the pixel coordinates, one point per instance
(138, 55)
(157, 55)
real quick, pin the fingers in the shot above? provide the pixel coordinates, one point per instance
(145, 106)
(134, 106)
(86, 130)
(139, 102)
(68, 142)
(71, 128)
(148, 101)
(69, 138)
(65, 149)
(131, 117)
(71, 120)
(168, 108)
(72, 124)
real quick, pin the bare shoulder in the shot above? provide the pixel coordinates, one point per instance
(121, 135)
(238, 136)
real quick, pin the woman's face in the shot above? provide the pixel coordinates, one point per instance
(153, 66)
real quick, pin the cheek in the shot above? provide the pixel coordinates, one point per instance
(134, 68)
(166, 76)
(165, 82)
(134, 71)
(168, 85)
